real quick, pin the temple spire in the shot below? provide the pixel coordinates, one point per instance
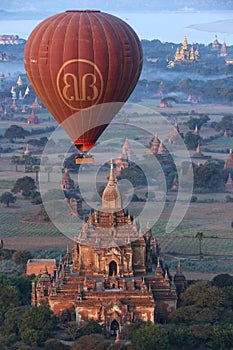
(196, 131)
(111, 198)
(229, 161)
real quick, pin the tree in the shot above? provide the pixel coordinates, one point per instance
(27, 163)
(201, 303)
(7, 198)
(208, 176)
(72, 331)
(150, 336)
(36, 325)
(200, 236)
(70, 163)
(36, 198)
(183, 338)
(9, 298)
(61, 157)
(36, 169)
(193, 122)
(223, 280)
(11, 322)
(48, 169)
(90, 328)
(191, 140)
(54, 344)
(91, 342)
(15, 160)
(15, 131)
(221, 337)
(226, 123)
(203, 294)
(21, 257)
(25, 184)
(134, 174)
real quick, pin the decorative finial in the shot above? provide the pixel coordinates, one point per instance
(111, 175)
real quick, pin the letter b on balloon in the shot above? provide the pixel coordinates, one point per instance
(81, 90)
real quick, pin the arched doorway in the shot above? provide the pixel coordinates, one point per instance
(114, 328)
(112, 268)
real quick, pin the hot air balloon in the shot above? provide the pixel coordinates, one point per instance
(79, 61)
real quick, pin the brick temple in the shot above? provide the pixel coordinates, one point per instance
(115, 275)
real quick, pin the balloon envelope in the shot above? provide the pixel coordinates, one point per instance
(79, 59)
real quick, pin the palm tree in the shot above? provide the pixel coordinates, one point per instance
(61, 157)
(200, 236)
(15, 160)
(36, 169)
(48, 169)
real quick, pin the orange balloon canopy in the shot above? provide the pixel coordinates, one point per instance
(79, 59)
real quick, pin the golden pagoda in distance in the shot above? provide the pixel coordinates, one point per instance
(185, 55)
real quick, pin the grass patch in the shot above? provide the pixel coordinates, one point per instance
(7, 184)
(12, 225)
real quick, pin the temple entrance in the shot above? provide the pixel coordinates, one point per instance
(112, 268)
(114, 328)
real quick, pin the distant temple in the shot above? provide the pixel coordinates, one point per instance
(67, 183)
(215, 44)
(223, 51)
(35, 104)
(229, 183)
(33, 119)
(11, 39)
(75, 202)
(196, 130)
(155, 145)
(19, 81)
(123, 161)
(229, 161)
(198, 152)
(160, 91)
(158, 148)
(27, 152)
(115, 275)
(175, 134)
(185, 54)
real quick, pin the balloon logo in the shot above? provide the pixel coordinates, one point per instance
(76, 60)
(91, 84)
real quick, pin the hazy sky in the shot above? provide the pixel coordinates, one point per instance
(167, 20)
(111, 5)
